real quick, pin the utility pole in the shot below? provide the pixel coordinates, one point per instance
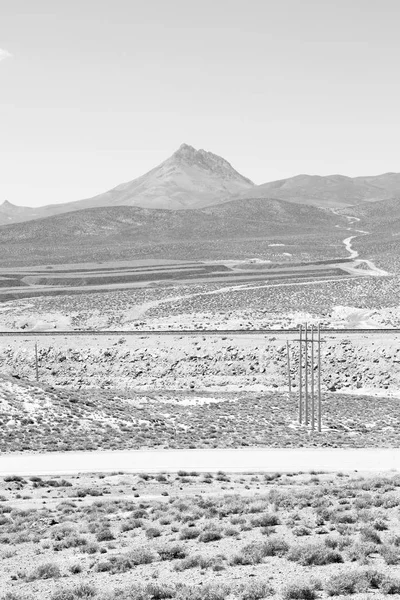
(288, 366)
(306, 375)
(36, 362)
(301, 374)
(319, 381)
(310, 397)
(312, 381)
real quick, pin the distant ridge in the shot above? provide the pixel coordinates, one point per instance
(330, 191)
(192, 179)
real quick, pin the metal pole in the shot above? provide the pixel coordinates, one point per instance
(300, 374)
(312, 381)
(288, 367)
(306, 374)
(319, 380)
(36, 362)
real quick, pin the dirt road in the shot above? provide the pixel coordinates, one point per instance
(354, 268)
(233, 461)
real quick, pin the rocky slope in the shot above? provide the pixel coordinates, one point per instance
(356, 365)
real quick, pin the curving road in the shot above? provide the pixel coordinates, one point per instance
(353, 268)
(213, 460)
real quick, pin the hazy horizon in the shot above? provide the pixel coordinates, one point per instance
(95, 94)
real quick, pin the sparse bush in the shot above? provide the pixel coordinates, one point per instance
(90, 548)
(360, 551)
(207, 591)
(75, 569)
(380, 525)
(104, 535)
(230, 532)
(203, 562)
(189, 533)
(210, 535)
(255, 591)
(62, 531)
(331, 542)
(275, 547)
(301, 531)
(83, 591)
(348, 582)
(72, 541)
(131, 524)
(14, 479)
(171, 552)
(265, 520)
(298, 591)
(390, 554)
(390, 585)
(45, 571)
(159, 591)
(368, 534)
(346, 517)
(121, 563)
(153, 532)
(314, 554)
(251, 554)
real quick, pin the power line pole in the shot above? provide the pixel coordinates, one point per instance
(288, 366)
(319, 381)
(306, 374)
(312, 381)
(36, 362)
(301, 374)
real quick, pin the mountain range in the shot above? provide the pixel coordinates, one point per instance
(193, 179)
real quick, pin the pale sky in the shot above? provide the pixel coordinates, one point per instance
(97, 92)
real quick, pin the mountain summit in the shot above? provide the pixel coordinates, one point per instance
(188, 178)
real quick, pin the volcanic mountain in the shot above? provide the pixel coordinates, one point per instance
(189, 177)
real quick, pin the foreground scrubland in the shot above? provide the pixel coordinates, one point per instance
(186, 535)
(41, 418)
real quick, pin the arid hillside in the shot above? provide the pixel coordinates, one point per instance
(128, 232)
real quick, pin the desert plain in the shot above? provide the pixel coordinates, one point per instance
(127, 329)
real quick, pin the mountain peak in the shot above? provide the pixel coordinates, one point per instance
(207, 162)
(186, 148)
(7, 204)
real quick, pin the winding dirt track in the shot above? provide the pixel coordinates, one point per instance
(233, 461)
(373, 270)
